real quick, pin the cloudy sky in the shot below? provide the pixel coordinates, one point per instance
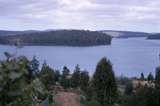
(134, 15)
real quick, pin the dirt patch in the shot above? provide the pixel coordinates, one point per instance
(67, 99)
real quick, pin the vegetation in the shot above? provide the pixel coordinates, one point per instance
(18, 86)
(150, 77)
(104, 83)
(142, 76)
(47, 75)
(65, 81)
(59, 37)
(144, 95)
(22, 82)
(157, 79)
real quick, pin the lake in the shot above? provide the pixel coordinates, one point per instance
(129, 56)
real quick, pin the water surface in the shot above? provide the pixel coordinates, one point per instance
(129, 57)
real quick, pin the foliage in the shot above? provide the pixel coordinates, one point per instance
(57, 76)
(142, 76)
(65, 80)
(157, 79)
(143, 97)
(23, 83)
(16, 86)
(93, 102)
(84, 80)
(104, 83)
(150, 77)
(129, 89)
(76, 76)
(47, 75)
(34, 66)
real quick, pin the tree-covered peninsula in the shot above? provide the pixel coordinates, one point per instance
(59, 37)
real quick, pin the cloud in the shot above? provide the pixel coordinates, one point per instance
(80, 14)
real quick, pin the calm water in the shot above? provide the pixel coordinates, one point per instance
(129, 57)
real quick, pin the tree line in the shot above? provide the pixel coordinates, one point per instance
(23, 82)
(100, 89)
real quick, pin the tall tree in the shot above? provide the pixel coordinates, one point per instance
(75, 80)
(84, 80)
(65, 80)
(150, 77)
(142, 76)
(157, 79)
(47, 75)
(34, 66)
(104, 83)
(57, 76)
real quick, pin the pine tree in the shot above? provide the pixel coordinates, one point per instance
(157, 79)
(47, 75)
(150, 77)
(104, 83)
(57, 75)
(142, 76)
(75, 80)
(34, 66)
(65, 80)
(84, 80)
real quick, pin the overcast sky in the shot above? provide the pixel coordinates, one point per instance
(133, 15)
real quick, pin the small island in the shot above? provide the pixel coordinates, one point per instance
(58, 38)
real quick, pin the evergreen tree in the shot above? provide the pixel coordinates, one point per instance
(157, 79)
(104, 83)
(129, 88)
(93, 102)
(65, 80)
(157, 88)
(47, 75)
(142, 76)
(34, 66)
(75, 80)
(150, 77)
(15, 89)
(57, 75)
(84, 80)
(7, 55)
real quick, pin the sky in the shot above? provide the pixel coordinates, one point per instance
(130, 15)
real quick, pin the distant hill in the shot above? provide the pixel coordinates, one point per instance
(113, 33)
(154, 36)
(9, 33)
(125, 34)
(58, 37)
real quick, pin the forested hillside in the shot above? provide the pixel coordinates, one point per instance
(59, 37)
(9, 33)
